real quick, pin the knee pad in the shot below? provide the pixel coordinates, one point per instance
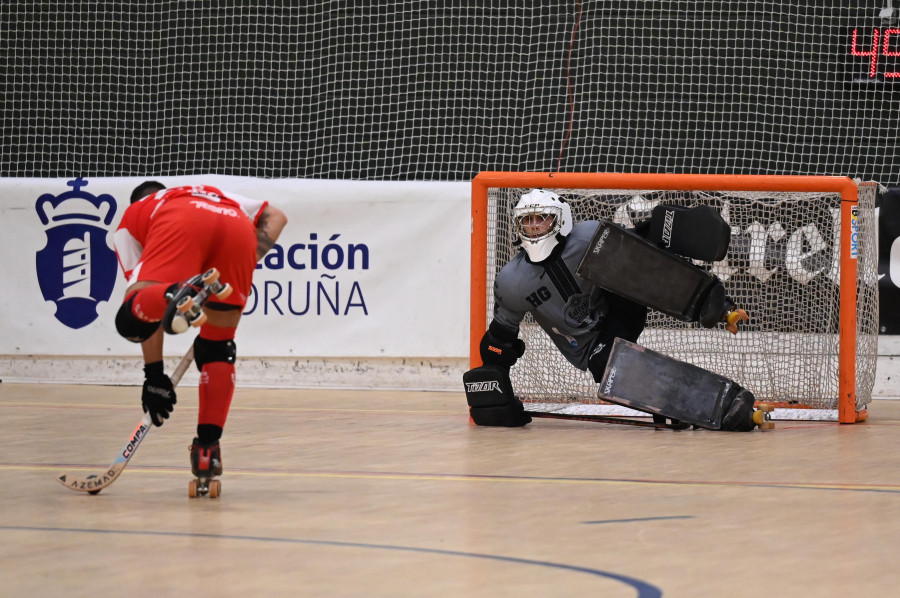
(130, 326)
(207, 351)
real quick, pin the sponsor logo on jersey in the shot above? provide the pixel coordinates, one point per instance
(76, 269)
(579, 314)
(216, 209)
(486, 386)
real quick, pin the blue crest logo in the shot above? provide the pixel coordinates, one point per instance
(76, 268)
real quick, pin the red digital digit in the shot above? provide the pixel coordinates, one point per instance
(887, 36)
(873, 52)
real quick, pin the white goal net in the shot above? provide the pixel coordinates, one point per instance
(783, 267)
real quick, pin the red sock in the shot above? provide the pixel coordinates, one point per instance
(150, 302)
(216, 381)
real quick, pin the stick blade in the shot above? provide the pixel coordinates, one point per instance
(93, 483)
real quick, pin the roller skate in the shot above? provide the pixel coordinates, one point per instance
(206, 464)
(744, 414)
(733, 315)
(186, 299)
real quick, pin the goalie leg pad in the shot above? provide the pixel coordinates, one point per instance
(655, 383)
(699, 232)
(491, 399)
(625, 263)
(713, 306)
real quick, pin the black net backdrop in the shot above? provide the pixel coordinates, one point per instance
(441, 91)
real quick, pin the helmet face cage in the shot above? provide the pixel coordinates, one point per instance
(545, 213)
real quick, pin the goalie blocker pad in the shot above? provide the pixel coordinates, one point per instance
(655, 383)
(491, 399)
(626, 264)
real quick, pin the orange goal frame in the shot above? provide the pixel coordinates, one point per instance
(847, 188)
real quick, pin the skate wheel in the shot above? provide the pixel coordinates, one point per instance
(765, 407)
(225, 292)
(761, 418)
(93, 492)
(738, 315)
(200, 321)
(215, 488)
(179, 324)
(732, 328)
(185, 305)
(210, 276)
(192, 489)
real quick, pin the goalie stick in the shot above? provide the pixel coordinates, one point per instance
(94, 483)
(603, 419)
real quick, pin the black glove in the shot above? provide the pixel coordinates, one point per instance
(500, 346)
(158, 396)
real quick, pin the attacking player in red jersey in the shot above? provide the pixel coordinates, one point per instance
(167, 240)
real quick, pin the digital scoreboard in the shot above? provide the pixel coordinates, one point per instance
(876, 52)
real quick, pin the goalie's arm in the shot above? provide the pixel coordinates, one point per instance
(501, 346)
(489, 391)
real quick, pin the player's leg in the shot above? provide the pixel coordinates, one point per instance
(629, 265)
(139, 315)
(624, 319)
(655, 383)
(215, 351)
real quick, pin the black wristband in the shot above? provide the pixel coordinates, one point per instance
(152, 370)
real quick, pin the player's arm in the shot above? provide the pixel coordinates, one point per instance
(489, 391)
(501, 345)
(268, 228)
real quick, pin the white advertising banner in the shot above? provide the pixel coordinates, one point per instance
(363, 269)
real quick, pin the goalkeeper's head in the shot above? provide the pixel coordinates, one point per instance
(542, 220)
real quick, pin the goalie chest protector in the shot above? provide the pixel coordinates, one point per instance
(655, 383)
(626, 264)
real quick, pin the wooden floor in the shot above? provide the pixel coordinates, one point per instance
(394, 494)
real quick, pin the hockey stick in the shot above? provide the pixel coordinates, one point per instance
(603, 419)
(94, 483)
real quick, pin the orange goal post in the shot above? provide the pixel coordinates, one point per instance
(802, 261)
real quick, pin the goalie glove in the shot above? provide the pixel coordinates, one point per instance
(501, 346)
(491, 400)
(158, 396)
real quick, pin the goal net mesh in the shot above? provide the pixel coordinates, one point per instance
(441, 91)
(782, 267)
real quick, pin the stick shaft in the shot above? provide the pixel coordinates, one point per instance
(600, 419)
(95, 483)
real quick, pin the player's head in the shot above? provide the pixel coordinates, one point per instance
(542, 219)
(144, 189)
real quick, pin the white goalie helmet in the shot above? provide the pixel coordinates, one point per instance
(541, 219)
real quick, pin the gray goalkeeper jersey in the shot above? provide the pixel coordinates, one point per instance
(568, 308)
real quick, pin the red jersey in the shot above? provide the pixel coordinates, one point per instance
(132, 233)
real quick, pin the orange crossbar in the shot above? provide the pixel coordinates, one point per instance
(668, 181)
